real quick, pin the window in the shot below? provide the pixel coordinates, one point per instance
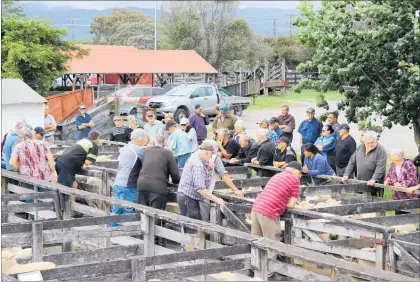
(139, 93)
(209, 91)
(201, 92)
(223, 92)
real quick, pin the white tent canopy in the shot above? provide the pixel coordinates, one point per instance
(19, 101)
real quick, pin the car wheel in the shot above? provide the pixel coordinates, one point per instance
(133, 112)
(238, 110)
(180, 114)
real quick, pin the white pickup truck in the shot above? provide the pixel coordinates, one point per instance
(181, 100)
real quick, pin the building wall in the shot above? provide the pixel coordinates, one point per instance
(10, 114)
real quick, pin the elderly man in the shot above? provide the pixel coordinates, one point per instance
(248, 151)
(84, 123)
(224, 120)
(284, 153)
(286, 122)
(153, 127)
(159, 163)
(10, 142)
(165, 132)
(39, 133)
(272, 135)
(130, 162)
(274, 125)
(228, 147)
(332, 120)
(119, 132)
(198, 121)
(195, 182)
(50, 125)
(346, 146)
(280, 193)
(77, 157)
(265, 155)
(132, 125)
(179, 143)
(239, 130)
(309, 130)
(369, 161)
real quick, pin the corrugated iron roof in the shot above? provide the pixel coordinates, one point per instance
(104, 59)
(15, 91)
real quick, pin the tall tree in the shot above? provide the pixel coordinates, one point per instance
(10, 8)
(34, 51)
(373, 46)
(123, 27)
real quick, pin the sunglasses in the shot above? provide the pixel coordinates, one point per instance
(82, 109)
(150, 116)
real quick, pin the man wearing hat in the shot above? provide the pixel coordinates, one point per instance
(224, 120)
(198, 121)
(284, 153)
(272, 135)
(84, 123)
(274, 125)
(196, 180)
(280, 193)
(39, 133)
(346, 146)
(153, 127)
(179, 143)
(309, 130)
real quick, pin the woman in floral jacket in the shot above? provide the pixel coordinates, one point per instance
(402, 173)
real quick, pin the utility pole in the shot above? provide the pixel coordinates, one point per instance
(156, 4)
(274, 24)
(73, 25)
(291, 23)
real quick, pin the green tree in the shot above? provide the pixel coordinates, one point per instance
(138, 34)
(287, 47)
(110, 28)
(373, 46)
(34, 51)
(9, 8)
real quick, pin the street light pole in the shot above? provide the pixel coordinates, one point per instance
(156, 25)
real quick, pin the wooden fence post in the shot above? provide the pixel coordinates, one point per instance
(138, 265)
(37, 241)
(66, 216)
(381, 251)
(148, 229)
(259, 263)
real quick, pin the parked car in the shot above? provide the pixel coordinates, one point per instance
(181, 100)
(134, 97)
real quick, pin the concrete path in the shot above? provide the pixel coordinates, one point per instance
(397, 136)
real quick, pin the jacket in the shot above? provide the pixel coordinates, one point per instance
(199, 124)
(407, 178)
(9, 143)
(265, 156)
(318, 165)
(158, 165)
(368, 166)
(310, 130)
(328, 144)
(228, 122)
(245, 155)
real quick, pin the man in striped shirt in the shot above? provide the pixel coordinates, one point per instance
(281, 192)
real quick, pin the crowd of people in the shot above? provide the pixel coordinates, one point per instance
(153, 156)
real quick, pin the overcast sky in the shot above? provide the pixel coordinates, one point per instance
(100, 5)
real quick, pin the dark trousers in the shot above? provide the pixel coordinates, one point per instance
(156, 201)
(188, 207)
(302, 155)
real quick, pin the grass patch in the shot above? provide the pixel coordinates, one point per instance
(262, 102)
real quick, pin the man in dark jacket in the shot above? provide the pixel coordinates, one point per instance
(228, 147)
(199, 121)
(284, 153)
(309, 130)
(369, 161)
(265, 155)
(346, 146)
(158, 164)
(248, 151)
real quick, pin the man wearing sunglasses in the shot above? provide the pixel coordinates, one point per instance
(119, 133)
(84, 123)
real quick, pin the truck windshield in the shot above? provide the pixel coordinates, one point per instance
(179, 91)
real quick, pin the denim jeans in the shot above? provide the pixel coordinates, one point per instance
(128, 194)
(183, 159)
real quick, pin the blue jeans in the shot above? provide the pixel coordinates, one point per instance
(128, 194)
(183, 159)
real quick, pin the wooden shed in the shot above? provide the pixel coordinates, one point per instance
(19, 101)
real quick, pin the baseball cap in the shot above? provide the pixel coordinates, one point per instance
(169, 124)
(150, 113)
(208, 145)
(344, 126)
(284, 140)
(184, 121)
(295, 165)
(273, 120)
(310, 110)
(224, 108)
(264, 121)
(197, 106)
(82, 107)
(39, 130)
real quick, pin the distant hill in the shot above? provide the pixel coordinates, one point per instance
(65, 17)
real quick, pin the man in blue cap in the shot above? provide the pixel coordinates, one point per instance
(198, 121)
(224, 120)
